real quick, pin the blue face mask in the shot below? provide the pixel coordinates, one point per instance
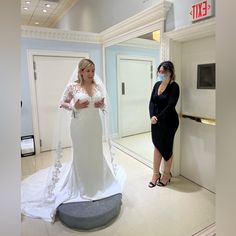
(161, 77)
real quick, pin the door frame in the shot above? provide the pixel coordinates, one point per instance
(33, 98)
(128, 57)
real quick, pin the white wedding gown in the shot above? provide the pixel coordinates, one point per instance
(89, 176)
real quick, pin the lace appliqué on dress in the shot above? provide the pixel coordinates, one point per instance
(55, 173)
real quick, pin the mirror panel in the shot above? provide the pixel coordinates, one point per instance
(132, 65)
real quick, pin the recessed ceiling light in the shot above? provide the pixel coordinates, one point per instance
(44, 10)
(27, 2)
(36, 23)
(47, 5)
(26, 8)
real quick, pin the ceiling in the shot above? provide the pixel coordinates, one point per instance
(44, 13)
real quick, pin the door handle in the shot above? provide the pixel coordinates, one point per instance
(123, 88)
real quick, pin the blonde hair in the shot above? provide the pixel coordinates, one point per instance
(83, 64)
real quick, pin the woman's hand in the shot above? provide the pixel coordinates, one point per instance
(80, 105)
(154, 120)
(99, 104)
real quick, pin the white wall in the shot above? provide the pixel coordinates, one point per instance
(197, 151)
(226, 119)
(178, 16)
(197, 102)
(197, 161)
(10, 118)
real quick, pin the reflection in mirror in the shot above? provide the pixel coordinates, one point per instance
(130, 76)
(132, 64)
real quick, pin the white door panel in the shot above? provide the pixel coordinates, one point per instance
(52, 75)
(135, 85)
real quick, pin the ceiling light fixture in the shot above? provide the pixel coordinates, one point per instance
(36, 23)
(26, 8)
(44, 10)
(47, 5)
(156, 35)
(27, 2)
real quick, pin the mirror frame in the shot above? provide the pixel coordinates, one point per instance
(137, 25)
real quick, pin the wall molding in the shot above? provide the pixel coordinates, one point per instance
(141, 23)
(141, 43)
(198, 30)
(58, 34)
(165, 48)
(146, 21)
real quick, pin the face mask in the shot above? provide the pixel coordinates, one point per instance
(161, 77)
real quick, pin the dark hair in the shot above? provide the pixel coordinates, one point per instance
(168, 66)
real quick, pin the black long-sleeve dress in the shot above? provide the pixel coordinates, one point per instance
(163, 107)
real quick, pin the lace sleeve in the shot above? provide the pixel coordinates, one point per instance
(102, 90)
(66, 100)
(103, 95)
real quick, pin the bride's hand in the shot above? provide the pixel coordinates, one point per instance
(80, 105)
(99, 104)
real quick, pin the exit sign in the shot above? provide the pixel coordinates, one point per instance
(201, 10)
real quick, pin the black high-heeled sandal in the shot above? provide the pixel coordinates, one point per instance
(151, 184)
(161, 184)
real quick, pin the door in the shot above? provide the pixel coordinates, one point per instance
(52, 73)
(135, 78)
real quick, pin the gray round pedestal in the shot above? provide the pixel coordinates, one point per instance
(90, 214)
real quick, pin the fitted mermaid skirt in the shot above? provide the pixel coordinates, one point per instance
(87, 177)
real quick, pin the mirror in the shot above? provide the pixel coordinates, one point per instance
(130, 68)
(132, 64)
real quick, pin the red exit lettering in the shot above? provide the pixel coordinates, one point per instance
(201, 10)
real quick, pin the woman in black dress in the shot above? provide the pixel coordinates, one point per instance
(164, 120)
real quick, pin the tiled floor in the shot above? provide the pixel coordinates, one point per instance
(180, 209)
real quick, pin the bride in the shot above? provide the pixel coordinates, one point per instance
(91, 175)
